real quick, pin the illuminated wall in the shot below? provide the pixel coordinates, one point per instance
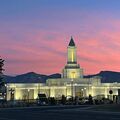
(72, 58)
(72, 73)
(72, 89)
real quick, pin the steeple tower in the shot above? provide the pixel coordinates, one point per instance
(71, 52)
(71, 43)
(72, 69)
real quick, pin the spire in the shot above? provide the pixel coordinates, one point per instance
(71, 43)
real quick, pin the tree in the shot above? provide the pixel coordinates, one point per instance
(63, 100)
(90, 100)
(2, 83)
(1, 72)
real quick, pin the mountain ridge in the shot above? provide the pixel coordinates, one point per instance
(107, 76)
(32, 77)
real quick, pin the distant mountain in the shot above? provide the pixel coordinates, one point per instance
(30, 77)
(107, 76)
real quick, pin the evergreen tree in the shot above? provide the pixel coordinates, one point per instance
(2, 83)
(1, 72)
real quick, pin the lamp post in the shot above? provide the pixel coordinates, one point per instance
(84, 92)
(111, 94)
(49, 91)
(65, 89)
(28, 95)
(75, 85)
(39, 88)
(39, 85)
(72, 90)
(89, 82)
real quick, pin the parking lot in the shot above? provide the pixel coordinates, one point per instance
(71, 113)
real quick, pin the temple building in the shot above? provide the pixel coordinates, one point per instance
(72, 83)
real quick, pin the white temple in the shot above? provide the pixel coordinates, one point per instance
(72, 83)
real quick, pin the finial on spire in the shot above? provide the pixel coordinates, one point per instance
(71, 43)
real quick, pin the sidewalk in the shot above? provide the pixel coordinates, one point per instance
(58, 107)
(106, 108)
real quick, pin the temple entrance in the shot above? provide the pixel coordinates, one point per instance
(79, 93)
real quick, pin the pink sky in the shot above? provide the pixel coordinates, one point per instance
(36, 39)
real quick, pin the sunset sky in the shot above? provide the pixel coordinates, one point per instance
(34, 34)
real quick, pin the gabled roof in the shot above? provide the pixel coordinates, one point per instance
(71, 43)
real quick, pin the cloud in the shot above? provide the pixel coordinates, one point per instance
(42, 48)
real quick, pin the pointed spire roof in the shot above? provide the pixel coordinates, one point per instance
(71, 43)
